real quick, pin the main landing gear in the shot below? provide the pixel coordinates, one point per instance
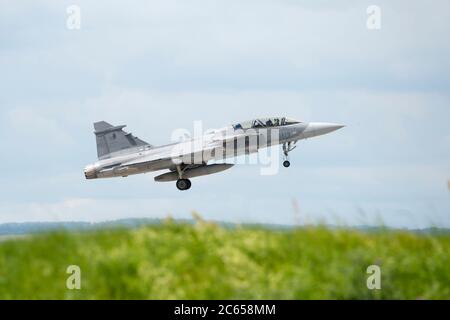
(286, 149)
(182, 184)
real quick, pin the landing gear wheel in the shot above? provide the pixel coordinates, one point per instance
(183, 184)
(286, 163)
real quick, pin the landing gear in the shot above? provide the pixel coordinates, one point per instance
(286, 149)
(183, 184)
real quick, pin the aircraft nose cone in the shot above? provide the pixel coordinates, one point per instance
(328, 127)
(320, 128)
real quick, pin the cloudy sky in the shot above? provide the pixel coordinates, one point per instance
(161, 65)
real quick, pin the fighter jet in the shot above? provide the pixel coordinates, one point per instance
(121, 154)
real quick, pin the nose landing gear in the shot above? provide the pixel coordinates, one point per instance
(286, 149)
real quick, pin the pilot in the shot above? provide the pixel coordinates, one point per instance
(256, 124)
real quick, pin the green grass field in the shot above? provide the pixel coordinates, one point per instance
(205, 261)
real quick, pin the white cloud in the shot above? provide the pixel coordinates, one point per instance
(36, 129)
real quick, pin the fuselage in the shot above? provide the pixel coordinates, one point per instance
(231, 141)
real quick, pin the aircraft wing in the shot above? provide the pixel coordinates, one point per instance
(170, 155)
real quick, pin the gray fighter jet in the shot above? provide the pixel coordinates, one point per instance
(121, 154)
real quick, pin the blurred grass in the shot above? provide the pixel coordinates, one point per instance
(205, 261)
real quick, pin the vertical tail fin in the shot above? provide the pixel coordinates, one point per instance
(111, 139)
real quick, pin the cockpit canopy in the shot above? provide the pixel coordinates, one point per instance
(264, 123)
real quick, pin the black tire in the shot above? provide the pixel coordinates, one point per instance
(183, 184)
(286, 163)
(189, 184)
